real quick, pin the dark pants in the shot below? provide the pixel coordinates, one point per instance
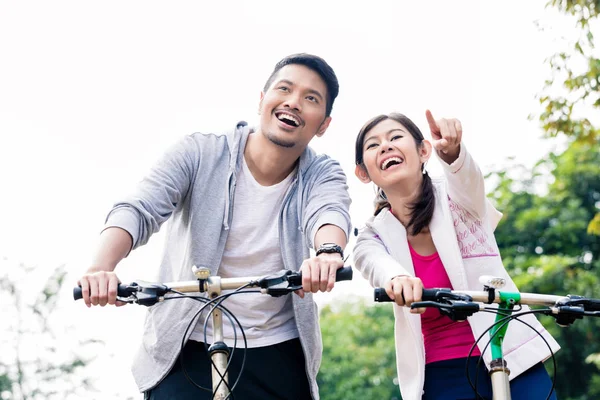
(271, 372)
(446, 380)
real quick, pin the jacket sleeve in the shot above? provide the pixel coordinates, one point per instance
(373, 260)
(158, 194)
(466, 187)
(326, 199)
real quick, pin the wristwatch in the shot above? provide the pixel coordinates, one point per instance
(330, 248)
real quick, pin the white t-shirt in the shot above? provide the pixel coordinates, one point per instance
(253, 249)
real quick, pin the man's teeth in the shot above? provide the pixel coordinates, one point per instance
(288, 117)
(386, 163)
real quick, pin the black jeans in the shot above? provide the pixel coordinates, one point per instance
(271, 372)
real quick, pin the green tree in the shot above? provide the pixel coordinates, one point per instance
(572, 92)
(359, 360)
(549, 236)
(546, 247)
(36, 363)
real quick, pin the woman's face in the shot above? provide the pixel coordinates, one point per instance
(391, 156)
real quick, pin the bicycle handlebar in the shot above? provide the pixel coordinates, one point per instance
(437, 294)
(270, 284)
(459, 305)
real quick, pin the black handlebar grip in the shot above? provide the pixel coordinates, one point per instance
(428, 295)
(343, 274)
(381, 296)
(122, 291)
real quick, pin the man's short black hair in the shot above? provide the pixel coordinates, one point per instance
(316, 64)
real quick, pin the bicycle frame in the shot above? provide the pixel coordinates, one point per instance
(218, 350)
(499, 372)
(282, 283)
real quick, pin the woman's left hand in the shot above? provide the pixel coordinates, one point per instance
(446, 135)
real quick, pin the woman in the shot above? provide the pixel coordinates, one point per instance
(437, 233)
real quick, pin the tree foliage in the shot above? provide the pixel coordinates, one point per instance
(550, 234)
(573, 92)
(546, 248)
(37, 361)
(359, 359)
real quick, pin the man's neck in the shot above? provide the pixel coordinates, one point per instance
(268, 162)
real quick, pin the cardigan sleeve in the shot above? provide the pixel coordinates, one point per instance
(373, 260)
(466, 187)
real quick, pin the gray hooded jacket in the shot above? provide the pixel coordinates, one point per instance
(194, 185)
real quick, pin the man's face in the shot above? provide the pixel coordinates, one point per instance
(293, 108)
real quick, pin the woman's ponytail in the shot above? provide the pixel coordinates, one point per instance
(422, 210)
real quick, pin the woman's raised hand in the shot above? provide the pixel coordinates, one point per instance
(446, 135)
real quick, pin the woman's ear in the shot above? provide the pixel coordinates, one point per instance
(425, 150)
(361, 174)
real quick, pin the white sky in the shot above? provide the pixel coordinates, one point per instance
(92, 93)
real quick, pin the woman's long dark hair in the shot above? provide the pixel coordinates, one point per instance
(422, 209)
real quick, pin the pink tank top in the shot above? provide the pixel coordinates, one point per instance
(444, 339)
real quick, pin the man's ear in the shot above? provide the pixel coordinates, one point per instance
(262, 96)
(324, 127)
(361, 174)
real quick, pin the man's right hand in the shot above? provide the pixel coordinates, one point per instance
(100, 288)
(99, 284)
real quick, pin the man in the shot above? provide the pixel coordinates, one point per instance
(245, 203)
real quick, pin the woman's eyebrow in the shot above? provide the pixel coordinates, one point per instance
(387, 133)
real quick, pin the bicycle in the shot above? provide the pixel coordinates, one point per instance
(460, 304)
(148, 294)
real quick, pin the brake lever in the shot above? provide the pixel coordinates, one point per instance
(281, 283)
(275, 280)
(129, 299)
(426, 304)
(456, 310)
(281, 289)
(147, 294)
(565, 315)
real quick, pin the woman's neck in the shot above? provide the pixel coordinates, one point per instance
(402, 201)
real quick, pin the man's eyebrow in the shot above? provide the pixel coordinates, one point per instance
(311, 91)
(287, 82)
(316, 93)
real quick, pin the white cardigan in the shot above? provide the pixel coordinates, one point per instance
(462, 230)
